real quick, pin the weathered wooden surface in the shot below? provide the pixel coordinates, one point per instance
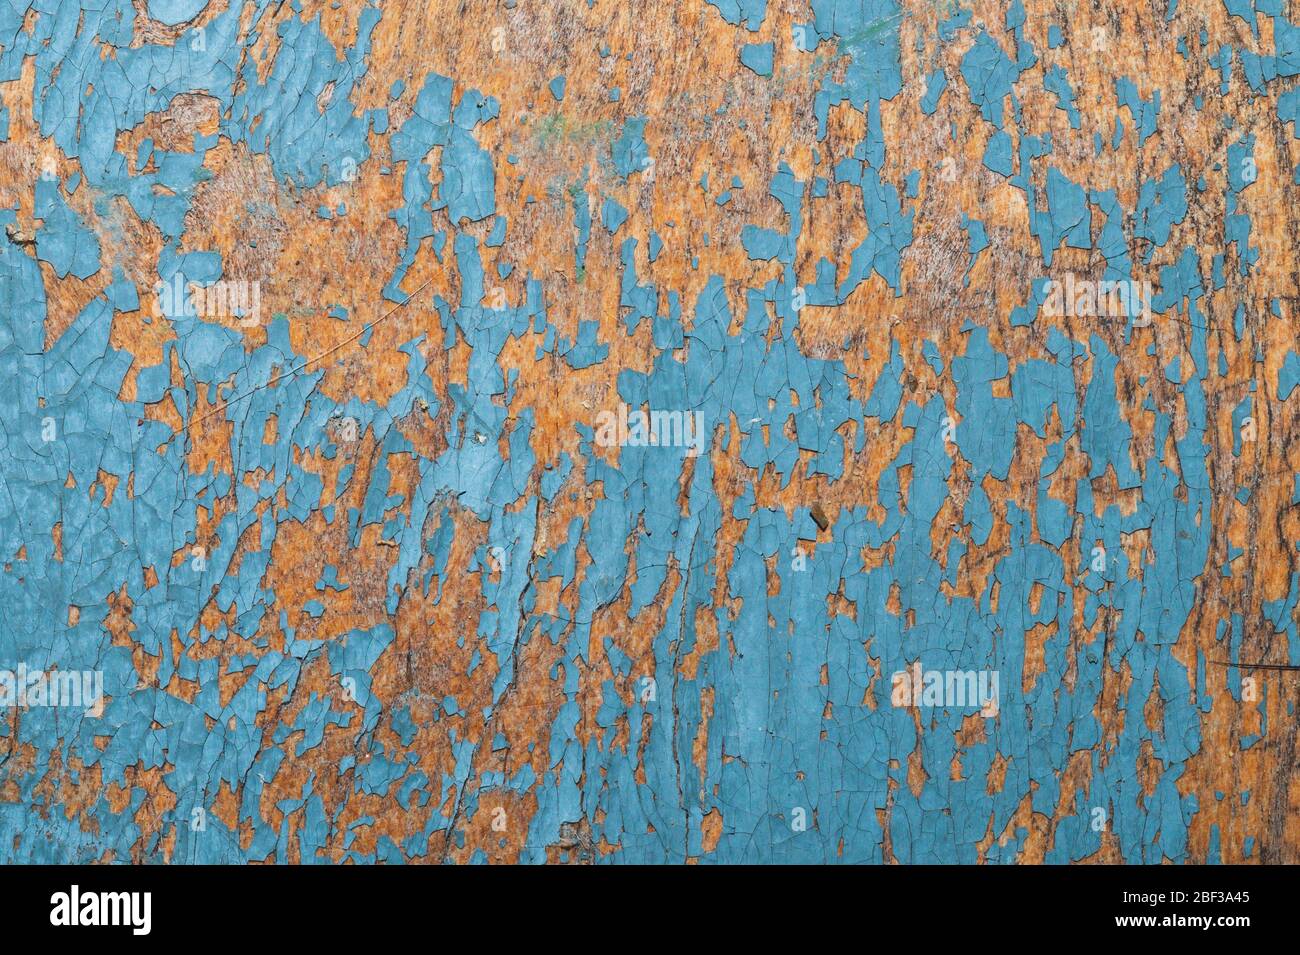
(653, 656)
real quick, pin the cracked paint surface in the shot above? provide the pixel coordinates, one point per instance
(326, 337)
